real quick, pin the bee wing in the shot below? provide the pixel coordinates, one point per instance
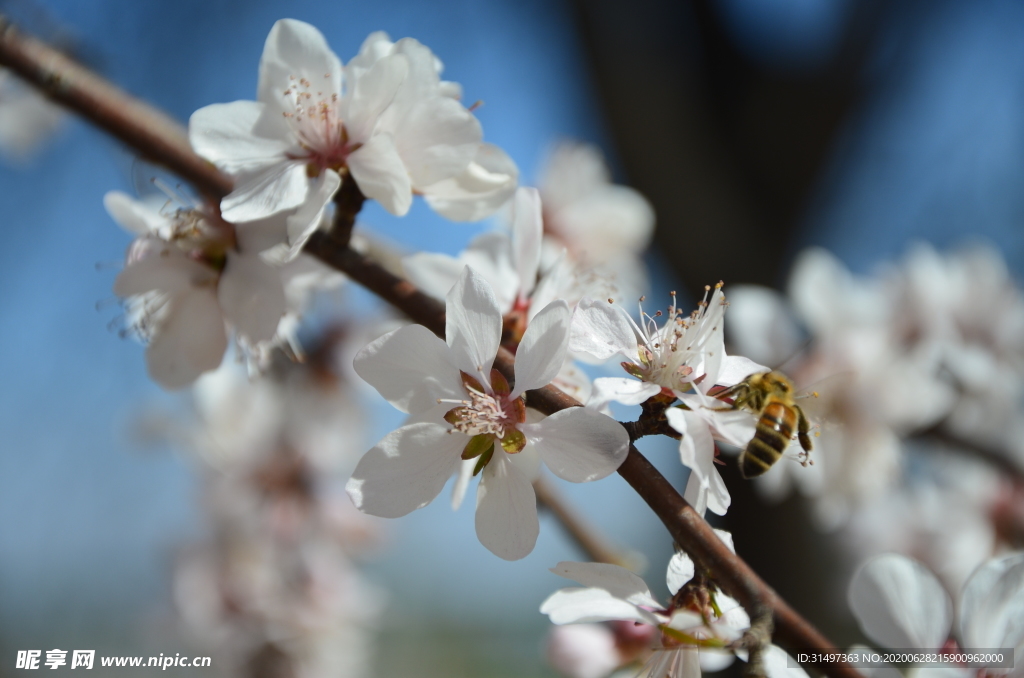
(820, 400)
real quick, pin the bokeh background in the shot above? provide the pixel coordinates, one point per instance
(755, 127)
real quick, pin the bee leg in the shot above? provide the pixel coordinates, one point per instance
(803, 428)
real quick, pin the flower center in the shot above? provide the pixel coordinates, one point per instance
(668, 355)
(486, 411)
(487, 416)
(316, 122)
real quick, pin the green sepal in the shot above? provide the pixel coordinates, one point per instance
(514, 441)
(478, 445)
(484, 458)
(714, 604)
(633, 369)
(687, 639)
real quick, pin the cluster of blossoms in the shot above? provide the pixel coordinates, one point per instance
(198, 274)
(385, 121)
(917, 365)
(900, 604)
(275, 587)
(930, 347)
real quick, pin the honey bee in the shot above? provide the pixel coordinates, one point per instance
(772, 397)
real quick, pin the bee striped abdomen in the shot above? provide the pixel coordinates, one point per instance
(771, 438)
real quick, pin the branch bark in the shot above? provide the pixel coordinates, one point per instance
(159, 139)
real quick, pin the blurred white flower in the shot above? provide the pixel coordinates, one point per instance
(583, 650)
(188, 281)
(26, 117)
(900, 604)
(604, 226)
(874, 386)
(462, 409)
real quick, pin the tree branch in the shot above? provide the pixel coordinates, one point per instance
(158, 139)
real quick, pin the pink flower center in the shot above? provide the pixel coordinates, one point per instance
(485, 413)
(320, 130)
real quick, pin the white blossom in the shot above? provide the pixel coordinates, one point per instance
(682, 359)
(687, 632)
(583, 650)
(460, 409)
(385, 121)
(900, 604)
(189, 279)
(604, 226)
(26, 117)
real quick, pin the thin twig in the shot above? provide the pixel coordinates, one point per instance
(159, 140)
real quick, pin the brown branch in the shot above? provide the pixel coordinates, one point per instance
(160, 140)
(150, 132)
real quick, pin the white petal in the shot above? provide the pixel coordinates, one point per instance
(614, 579)
(225, 135)
(485, 185)
(488, 254)
(777, 664)
(437, 140)
(432, 273)
(696, 494)
(992, 605)
(473, 325)
(527, 229)
(381, 176)
(680, 567)
(261, 235)
(736, 368)
(462, 482)
(579, 444)
(572, 606)
(191, 340)
(697, 452)
(171, 274)
(252, 296)
(620, 390)
(506, 510)
(583, 650)
(680, 571)
(305, 220)
(601, 329)
(410, 367)
(715, 660)
(405, 470)
(372, 93)
(296, 50)
(281, 186)
(900, 604)
(542, 350)
(133, 215)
